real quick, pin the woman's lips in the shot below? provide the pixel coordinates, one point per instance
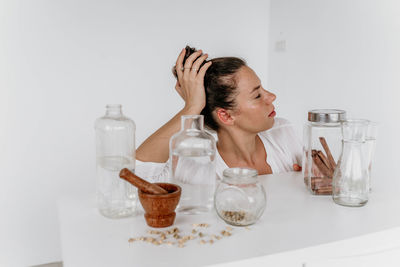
(272, 114)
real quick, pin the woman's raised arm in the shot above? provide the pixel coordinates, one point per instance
(190, 86)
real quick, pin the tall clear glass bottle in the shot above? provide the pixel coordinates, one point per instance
(115, 150)
(192, 165)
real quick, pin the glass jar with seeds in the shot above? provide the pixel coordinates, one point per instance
(322, 144)
(240, 198)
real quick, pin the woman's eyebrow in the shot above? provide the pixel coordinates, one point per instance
(255, 88)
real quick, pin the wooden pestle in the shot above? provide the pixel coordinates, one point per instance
(331, 160)
(143, 185)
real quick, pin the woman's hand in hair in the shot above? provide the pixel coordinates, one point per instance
(190, 84)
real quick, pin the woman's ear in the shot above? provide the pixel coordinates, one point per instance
(224, 116)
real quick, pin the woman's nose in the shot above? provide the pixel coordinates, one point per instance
(269, 97)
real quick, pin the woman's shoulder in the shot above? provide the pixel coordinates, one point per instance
(282, 144)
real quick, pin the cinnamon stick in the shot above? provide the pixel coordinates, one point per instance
(318, 182)
(324, 191)
(322, 167)
(323, 159)
(314, 153)
(328, 153)
(143, 185)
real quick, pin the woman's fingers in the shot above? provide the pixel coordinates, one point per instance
(196, 65)
(189, 61)
(296, 167)
(179, 64)
(203, 69)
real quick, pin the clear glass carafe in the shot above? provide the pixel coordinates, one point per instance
(115, 150)
(240, 198)
(370, 139)
(350, 185)
(192, 165)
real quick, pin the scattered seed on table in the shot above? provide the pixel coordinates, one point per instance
(163, 237)
(200, 225)
(176, 236)
(225, 233)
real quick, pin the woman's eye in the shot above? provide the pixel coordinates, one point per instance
(258, 96)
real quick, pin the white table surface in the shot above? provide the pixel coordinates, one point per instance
(294, 222)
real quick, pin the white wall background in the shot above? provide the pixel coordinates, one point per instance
(61, 62)
(340, 54)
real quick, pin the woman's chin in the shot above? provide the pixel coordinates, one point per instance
(269, 124)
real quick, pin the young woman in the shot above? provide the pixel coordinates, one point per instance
(237, 107)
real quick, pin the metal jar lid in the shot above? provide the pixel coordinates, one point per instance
(327, 115)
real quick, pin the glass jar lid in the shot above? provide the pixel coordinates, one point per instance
(240, 175)
(327, 115)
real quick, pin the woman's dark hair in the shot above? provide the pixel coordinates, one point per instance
(220, 85)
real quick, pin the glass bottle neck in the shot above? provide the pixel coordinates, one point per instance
(192, 122)
(240, 176)
(114, 110)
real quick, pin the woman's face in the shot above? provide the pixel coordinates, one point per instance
(254, 111)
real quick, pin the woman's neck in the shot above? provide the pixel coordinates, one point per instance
(237, 146)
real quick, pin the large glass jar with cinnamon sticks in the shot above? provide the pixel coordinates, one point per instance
(322, 139)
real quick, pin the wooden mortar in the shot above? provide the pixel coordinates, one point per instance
(160, 209)
(159, 200)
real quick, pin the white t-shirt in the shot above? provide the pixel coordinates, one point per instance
(281, 144)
